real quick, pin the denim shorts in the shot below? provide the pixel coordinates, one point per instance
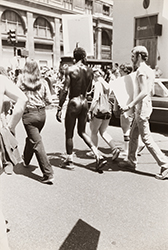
(103, 116)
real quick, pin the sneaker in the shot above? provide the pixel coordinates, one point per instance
(163, 174)
(23, 162)
(127, 165)
(68, 165)
(8, 168)
(90, 154)
(47, 179)
(101, 163)
(115, 153)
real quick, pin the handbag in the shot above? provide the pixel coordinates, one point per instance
(102, 109)
(10, 145)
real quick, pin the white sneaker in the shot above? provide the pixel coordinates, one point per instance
(90, 154)
(68, 165)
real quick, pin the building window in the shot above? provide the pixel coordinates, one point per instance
(106, 10)
(105, 38)
(88, 6)
(106, 45)
(68, 4)
(42, 28)
(12, 21)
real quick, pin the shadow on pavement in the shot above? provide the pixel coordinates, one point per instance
(113, 166)
(56, 159)
(19, 169)
(82, 236)
(82, 153)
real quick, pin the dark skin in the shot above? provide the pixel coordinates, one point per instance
(78, 79)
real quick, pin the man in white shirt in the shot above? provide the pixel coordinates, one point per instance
(143, 108)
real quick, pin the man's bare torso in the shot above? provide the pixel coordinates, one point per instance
(80, 80)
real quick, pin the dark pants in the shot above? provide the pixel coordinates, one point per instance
(34, 120)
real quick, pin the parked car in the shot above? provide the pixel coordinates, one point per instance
(159, 102)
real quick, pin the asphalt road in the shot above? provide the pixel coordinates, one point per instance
(85, 210)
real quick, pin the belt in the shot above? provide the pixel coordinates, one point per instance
(37, 108)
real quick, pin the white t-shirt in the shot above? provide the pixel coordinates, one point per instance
(144, 70)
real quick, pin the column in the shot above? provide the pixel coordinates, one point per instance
(30, 35)
(99, 42)
(56, 46)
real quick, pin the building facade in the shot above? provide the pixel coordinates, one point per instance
(141, 22)
(38, 26)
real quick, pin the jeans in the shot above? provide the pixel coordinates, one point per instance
(140, 126)
(34, 121)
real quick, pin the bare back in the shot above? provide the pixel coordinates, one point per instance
(80, 80)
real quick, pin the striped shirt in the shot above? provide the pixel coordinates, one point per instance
(38, 95)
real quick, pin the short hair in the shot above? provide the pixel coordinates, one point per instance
(79, 54)
(142, 50)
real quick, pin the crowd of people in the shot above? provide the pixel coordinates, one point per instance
(31, 91)
(82, 86)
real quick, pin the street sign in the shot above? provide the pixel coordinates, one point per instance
(22, 52)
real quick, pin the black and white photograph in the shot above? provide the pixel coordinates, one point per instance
(83, 124)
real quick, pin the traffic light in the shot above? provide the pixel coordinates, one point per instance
(12, 37)
(22, 52)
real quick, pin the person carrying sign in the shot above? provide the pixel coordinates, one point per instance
(142, 104)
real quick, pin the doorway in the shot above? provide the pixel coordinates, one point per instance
(151, 45)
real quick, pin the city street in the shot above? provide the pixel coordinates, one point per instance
(85, 210)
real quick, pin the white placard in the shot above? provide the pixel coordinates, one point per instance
(123, 88)
(77, 29)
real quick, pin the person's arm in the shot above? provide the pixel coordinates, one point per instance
(143, 93)
(48, 96)
(63, 94)
(105, 84)
(14, 93)
(96, 95)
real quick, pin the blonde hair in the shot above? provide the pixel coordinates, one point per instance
(31, 71)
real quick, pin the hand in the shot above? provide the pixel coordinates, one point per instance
(58, 115)
(89, 116)
(125, 109)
